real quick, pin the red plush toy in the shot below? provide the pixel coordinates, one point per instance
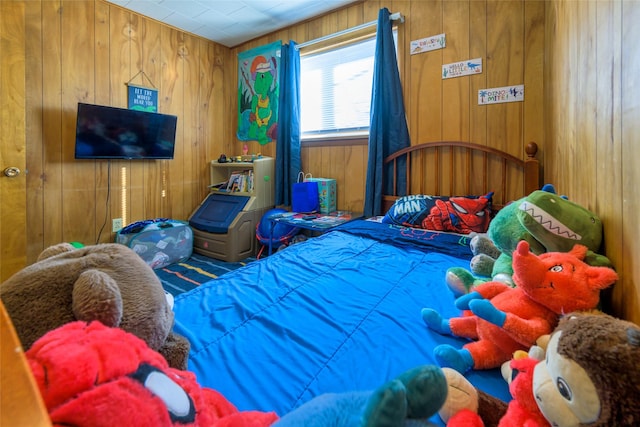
(465, 418)
(501, 320)
(522, 411)
(92, 375)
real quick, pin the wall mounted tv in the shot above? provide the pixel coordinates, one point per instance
(118, 133)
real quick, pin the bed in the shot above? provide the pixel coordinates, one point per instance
(341, 311)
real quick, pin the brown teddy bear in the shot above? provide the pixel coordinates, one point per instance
(106, 282)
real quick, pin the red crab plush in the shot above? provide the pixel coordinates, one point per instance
(92, 375)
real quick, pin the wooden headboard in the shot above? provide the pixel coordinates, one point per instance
(448, 168)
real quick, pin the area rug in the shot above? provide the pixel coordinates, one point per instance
(184, 276)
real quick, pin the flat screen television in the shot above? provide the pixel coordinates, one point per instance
(118, 133)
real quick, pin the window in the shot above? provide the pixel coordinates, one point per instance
(335, 90)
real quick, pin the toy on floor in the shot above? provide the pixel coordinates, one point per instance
(105, 282)
(590, 377)
(501, 320)
(548, 222)
(93, 375)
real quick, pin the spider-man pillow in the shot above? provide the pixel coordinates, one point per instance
(458, 214)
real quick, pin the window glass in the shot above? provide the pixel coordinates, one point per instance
(335, 90)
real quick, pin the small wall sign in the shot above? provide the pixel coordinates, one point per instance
(462, 68)
(427, 44)
(143, 98)
(498, 95)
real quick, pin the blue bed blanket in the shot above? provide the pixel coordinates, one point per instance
(338, 312)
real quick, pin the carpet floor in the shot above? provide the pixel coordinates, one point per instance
(184, 276)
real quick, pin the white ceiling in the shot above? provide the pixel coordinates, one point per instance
(230, 22)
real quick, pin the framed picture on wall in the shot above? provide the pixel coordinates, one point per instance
(258, 91)
(142, 98)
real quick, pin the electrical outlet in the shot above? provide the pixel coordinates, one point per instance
(116, 225)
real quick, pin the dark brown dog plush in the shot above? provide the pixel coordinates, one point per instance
(105, 282)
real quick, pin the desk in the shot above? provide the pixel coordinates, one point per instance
(320, 223)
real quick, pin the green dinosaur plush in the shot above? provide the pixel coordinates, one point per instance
(547, 221)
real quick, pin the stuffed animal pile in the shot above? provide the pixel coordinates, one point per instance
(89, 373)
(91, 320)
(589, 377)
(548, 222)
(92, 375)
(501, 319)
(106, 282)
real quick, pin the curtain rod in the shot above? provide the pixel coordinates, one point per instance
(394, 17)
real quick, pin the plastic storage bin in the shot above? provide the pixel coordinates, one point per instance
(159, 242)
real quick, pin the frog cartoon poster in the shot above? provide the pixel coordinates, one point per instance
(258, 90)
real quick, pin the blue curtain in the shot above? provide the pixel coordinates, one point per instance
(388, 131)
(288, 161)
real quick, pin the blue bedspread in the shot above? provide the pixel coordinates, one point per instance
(338, 312)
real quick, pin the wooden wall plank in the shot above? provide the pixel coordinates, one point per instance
(478, 49)
(609, 133)
(34, 131)
(149, 71)
(190, 181)
(136, 191)
(222, 102)
(52, 89)
(627, 291)
(206, 61)
(504, 66)
(478, 113)
(533, 105)
(172, 103)
(585, 133)
(119, 74)
(78, 79)
(424, 106)
(455, 91)
(102, 97)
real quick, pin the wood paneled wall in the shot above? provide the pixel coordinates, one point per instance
(592, 126)
(86, 51)
(577, 60)
(508, 35)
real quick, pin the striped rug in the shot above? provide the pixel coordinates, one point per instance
(184, 276)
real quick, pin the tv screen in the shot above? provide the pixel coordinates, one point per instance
(118, 133)
(217, 212)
